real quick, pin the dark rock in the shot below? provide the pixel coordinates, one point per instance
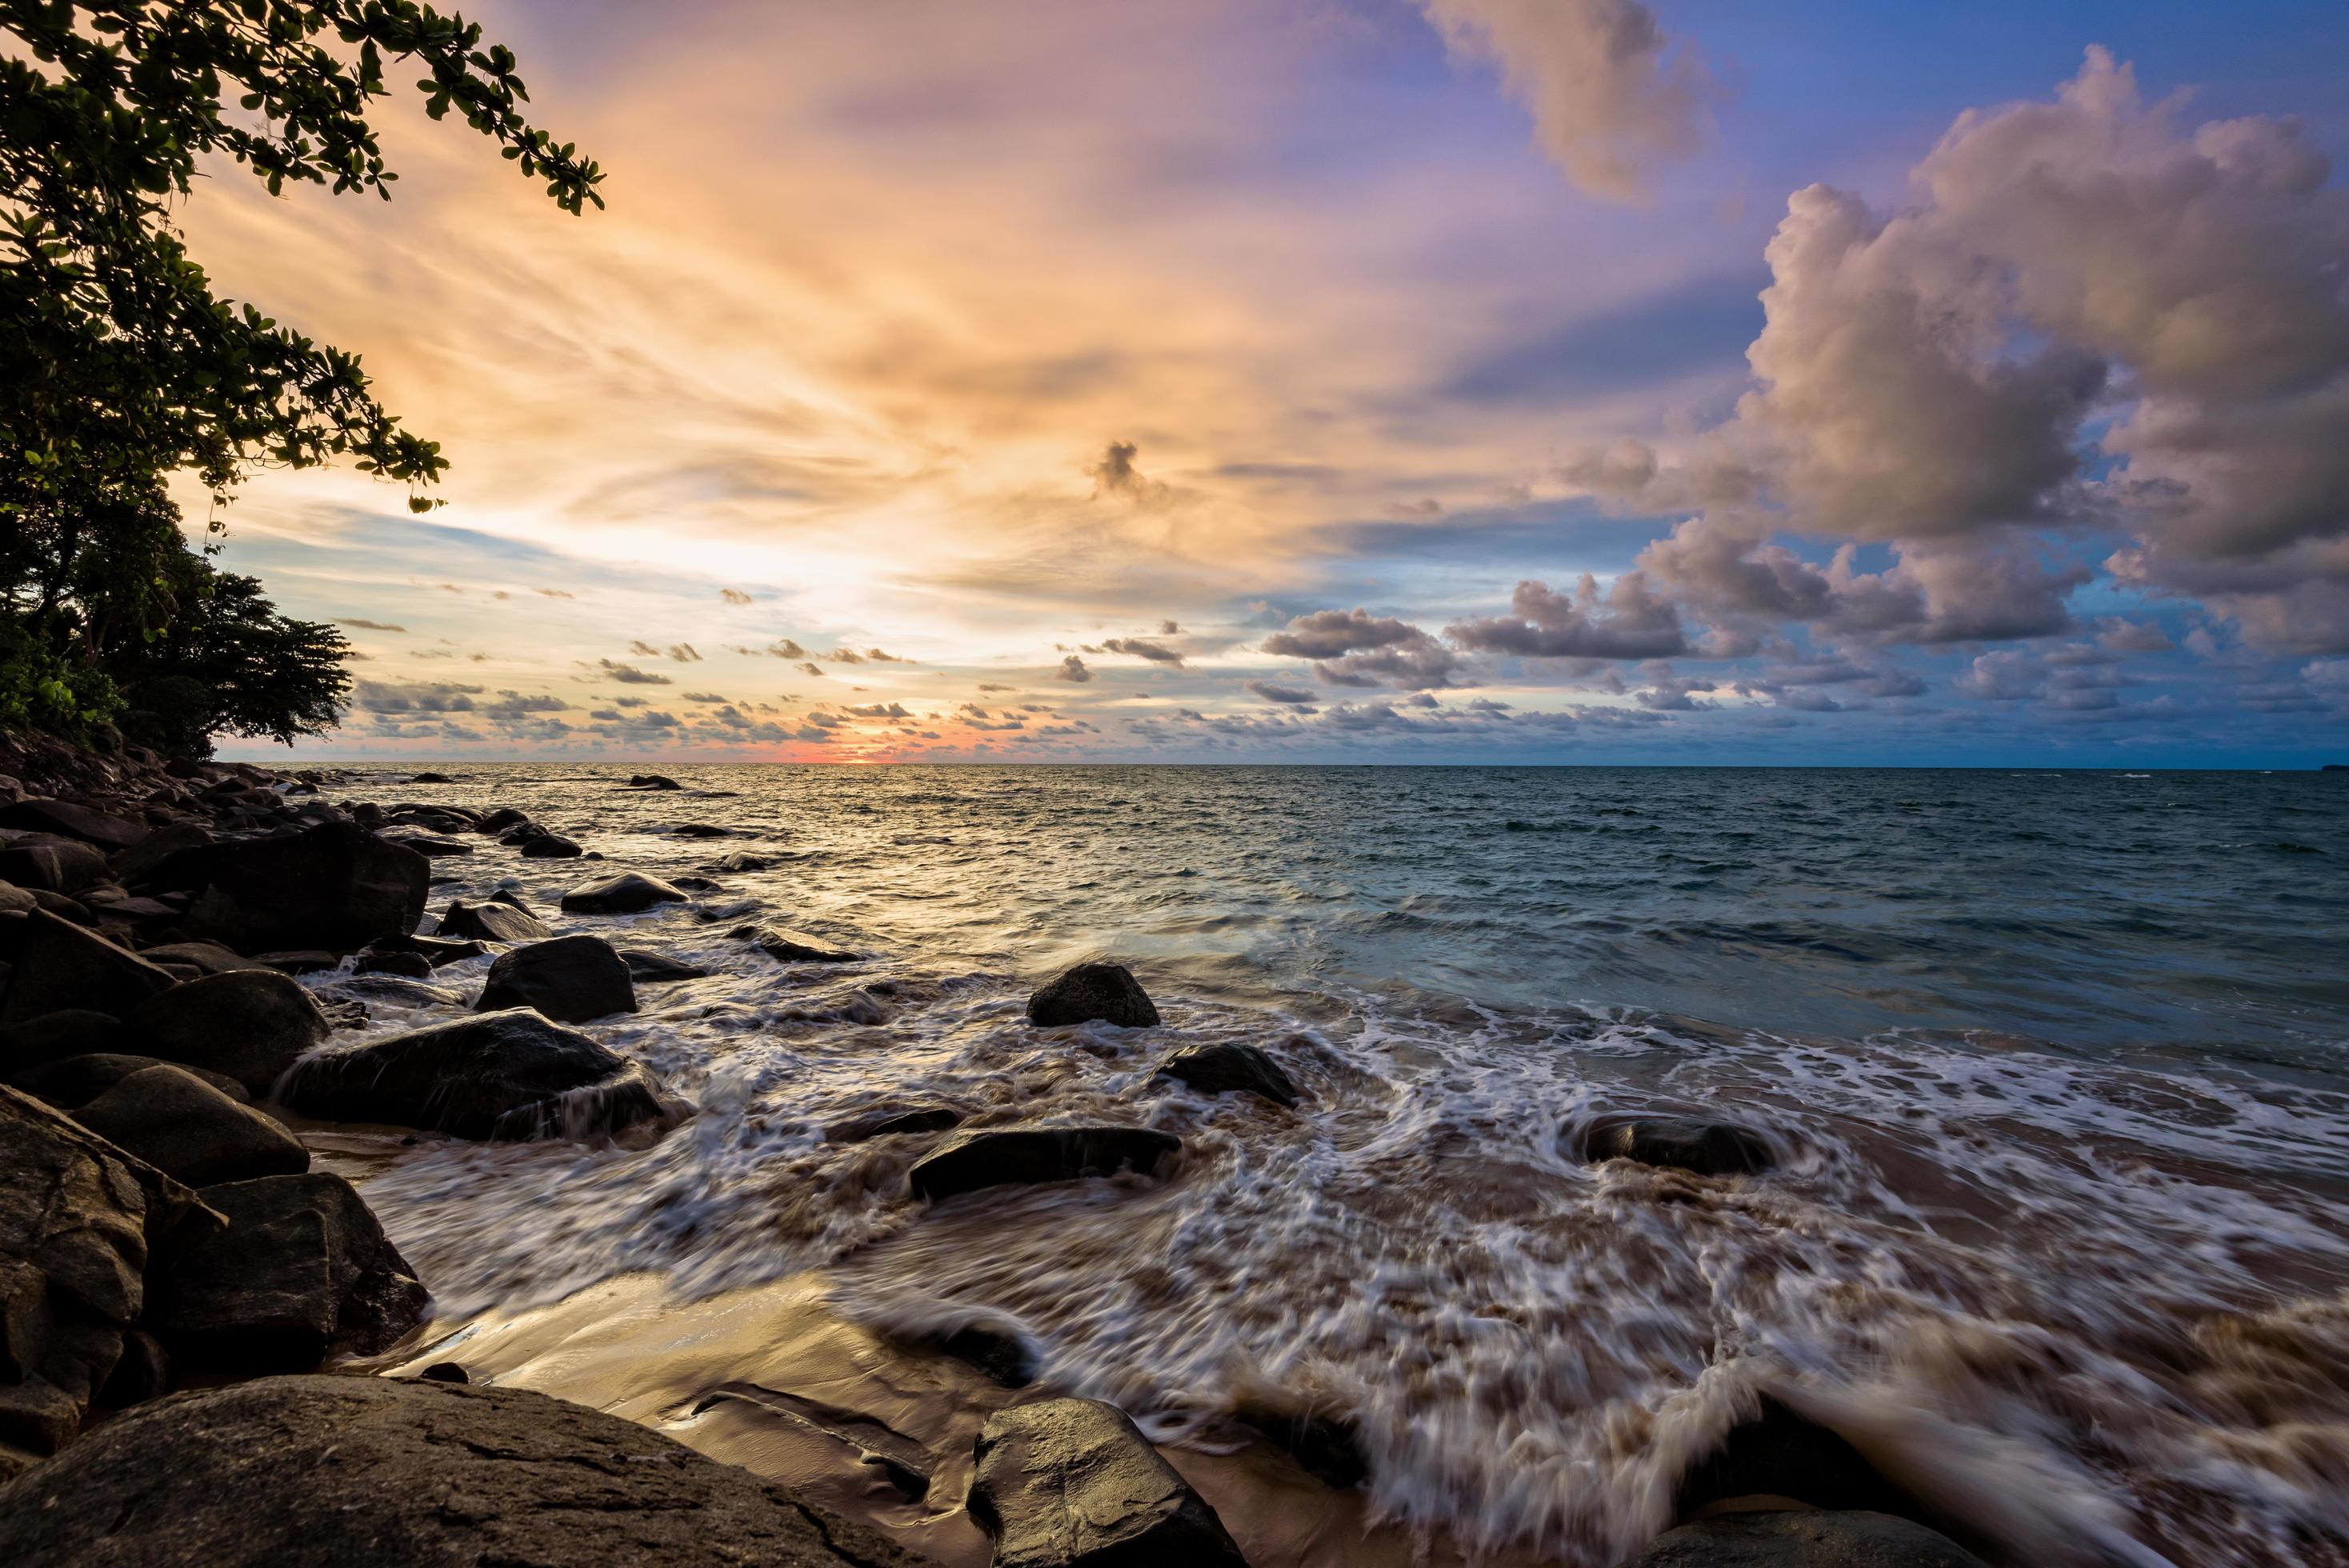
(741, 861)
(68, 820)
(1230, 1069)
(897, 1119)
(798, 947)
(432, 846)
(61, 867)
(570, 979)
(510, 1075)
(551, 847)
(299, 960)
(1683, 1142)
(301, 1269)
(1780, 1453)
(1802, 1538)
(655, 968)
(445, 1372)
(334, 885)
(71, 1082)
(208, 956)
(697, 884)
(415, 965)
(381, 1472)
(78, 1220)
(437, 951)
(624, 894)
(652, 782)
(397, 991)
(491, 920)
(505, 819)
(63, 908)
(56, 1036)
(701, 831)
(190, 1131)
(132, 866)
(60, 966)
(250, 1024)
(143, 1372)
(1005, 1356)
(1325, 1447)
(1073, 1483)
(16, 899)
(994, 1157)
(431, 778)
(1108, 992)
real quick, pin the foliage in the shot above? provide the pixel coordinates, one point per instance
(228, 663)
(118, 366)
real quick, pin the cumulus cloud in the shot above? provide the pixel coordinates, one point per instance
(1629, 622)
(418, 697)
(809, 668)
(1355, 649)
(1072, 669)
(1610, 95)
(1115, 475)
(703, 696)
(684, 653)
(1284, 695)
(1141, 648)
(372, 626)
(629, 675)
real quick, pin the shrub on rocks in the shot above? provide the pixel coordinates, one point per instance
(250, 1024)
(627, 894)
(570, 979)
(510, 1075)
(300, 1270)
(377, 1472)
(1230, 1068)
(334, 885)
(190, 1130)
(491, 920)
(1107, 992)
(60, 966)
(995, 1157)
(1073, 1483)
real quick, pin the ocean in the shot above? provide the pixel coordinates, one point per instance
(2054, 1063)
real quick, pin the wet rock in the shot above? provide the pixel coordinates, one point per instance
(300, 1270)
(379, 1472)
(190, 1130)
(697, 884)
(627, 894)
(504, 820)
(510, 1075)
(652, 782)
(397, 991)
(67, 820)
(77, 1219)
(436, 951)
(131, 866)
(701, 831)
(1072, 1483)
(551, 847)
(995, 1157)
(1803, 1540)
(1230, 1068)
(249, 1023)
(570, 979)
(1005, 1356)
(431, 778)
(789, 946)
(655, 968)
(1683, 1142)
(1779, 1452)
(61, 867)
(1328, 1448)
(445, 1372)
(54, 1037)
(414, 966)
(14, 900)
(1107, 992)
(72, 1082)
(210, 957)
(334, 885)
(491, 920)
(63, 908)
(895, 1119)
(299, 960)
(741, 860)
(432, 846)
(60, 966)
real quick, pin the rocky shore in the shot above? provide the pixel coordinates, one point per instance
(177, 1283)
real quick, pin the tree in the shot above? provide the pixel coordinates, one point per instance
(229, 663)
(118, 366)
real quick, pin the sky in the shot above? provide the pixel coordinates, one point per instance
(1346, 381)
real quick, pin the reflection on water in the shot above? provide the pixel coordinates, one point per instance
(2061, 1244)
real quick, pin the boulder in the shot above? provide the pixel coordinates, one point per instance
(335, 885)
(78, 1220)
(1108, 992)
(299, 960)
(72, 1082)
(894, 1119)
(54, 1037)
(491, 920)
(652, 782)
(789, 946)
(132, 866)
(551, 847)
(57, 867)
(570, 979)
(300, 1270)
(431, 778)
(396, 991)
(437, 951)
(1230, 1068)
(379, 1472)
(624, 894)
(656, 968)
(510, 1075)
(190, 1130)
(250, 1024)
(208, 956)
(61, 965)
(430, 845)
(14, 900)
(1779, 1452)
(995, 1157)
(701, 831)
(1684, 1142)
(1802, 1538)
(742, 860)
(414, 966)
(505, 819)
(1073, 1483)
(68, 820)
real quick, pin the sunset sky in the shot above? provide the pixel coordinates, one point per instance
(1347, 380)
